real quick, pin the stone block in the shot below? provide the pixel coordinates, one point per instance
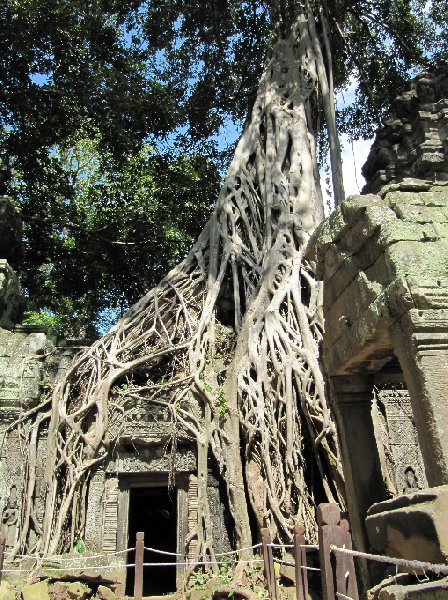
(433, 590)
(427, 262)
(7, 591)
(399, 197)
(11, 300)
(104, 593)
(36, 591)
(437, 196)
(340, 281)
(398, 231)
(419, 214)
(73, 590)
(364, 346)
(345, 311)
(412, 527)
(354, 207)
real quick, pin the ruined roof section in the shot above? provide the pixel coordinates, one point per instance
(413, 142)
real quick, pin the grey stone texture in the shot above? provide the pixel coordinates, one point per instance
(412, 527)
(382, 258)
(11, 300)
(385, 272)
(36, 591)
(413, 140)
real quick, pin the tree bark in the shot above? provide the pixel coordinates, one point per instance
(247, 280)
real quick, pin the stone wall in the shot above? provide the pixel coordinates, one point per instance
(30, 361)
(382, 258)
(413, 140)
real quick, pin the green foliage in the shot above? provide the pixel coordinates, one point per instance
(67, 63)
(44, 318)
(222, 402)
(214, 51)
(109, 108)
(114, 233)
(79, 546)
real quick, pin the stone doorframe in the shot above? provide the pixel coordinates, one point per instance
(128, 481)
(382, 260)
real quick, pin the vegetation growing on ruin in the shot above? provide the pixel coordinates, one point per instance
(263, 414)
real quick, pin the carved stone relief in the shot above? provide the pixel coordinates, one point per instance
(397, 437)
(152, 459)
(110, 515)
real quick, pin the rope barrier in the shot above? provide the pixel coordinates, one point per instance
(291, 564)
(75, 557)
(198, 564)
(239, 550)
(164, 552)
(283, 562)
(231, 553)
(281, 545)
(151, 564)
(343, 596)
(69, 569)
(440, 569)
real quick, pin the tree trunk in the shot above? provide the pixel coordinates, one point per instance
(235, 329)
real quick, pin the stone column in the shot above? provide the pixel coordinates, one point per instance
(352, 403)
(421, 344)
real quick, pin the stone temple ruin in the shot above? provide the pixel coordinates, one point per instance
(130, 491)
(382, 257)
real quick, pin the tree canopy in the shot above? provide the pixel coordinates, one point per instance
(111, 77)
(96, 250)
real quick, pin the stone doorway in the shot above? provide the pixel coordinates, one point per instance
(153, 510)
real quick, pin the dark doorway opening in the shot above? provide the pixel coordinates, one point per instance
(153, 510)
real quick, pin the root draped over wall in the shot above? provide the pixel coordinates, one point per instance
(260, 392)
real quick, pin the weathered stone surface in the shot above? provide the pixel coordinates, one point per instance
(7, 591)
(383, 261)
(288, 571)
(412, 527)
(37, 591)
(104, 593)
(433, 590)
(21, 367)
(411, 145)
(75, 590)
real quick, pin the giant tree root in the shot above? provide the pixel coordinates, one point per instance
(228, 342)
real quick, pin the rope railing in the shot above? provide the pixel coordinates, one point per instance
(74, 557)
(338, 576)
(413, 565)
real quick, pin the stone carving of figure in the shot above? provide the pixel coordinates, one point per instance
(411, 481)
(10, 517)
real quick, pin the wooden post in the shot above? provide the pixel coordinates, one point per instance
(350, 586)
(328, 516)
(299, 562)
(138, 573)
(338, 570)
(2, 554)
(269, 564)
